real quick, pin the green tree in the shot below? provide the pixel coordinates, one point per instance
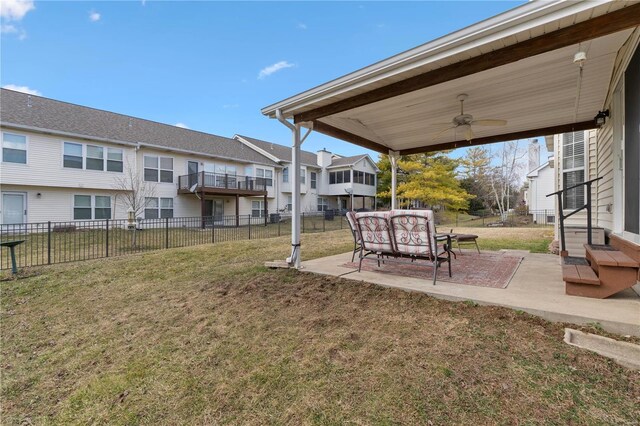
(476, 168)
(429, 178)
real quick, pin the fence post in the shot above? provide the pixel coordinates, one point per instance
(166, 232)
(278, 224)
(341, 221)
(249, 226)
(213, 230)
(49, 243)
(302, 222)
(324, 221)
(107, 238)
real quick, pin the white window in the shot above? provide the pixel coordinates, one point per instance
(257, 208)
(322, 204)
(158, 208)
(87, 207)
(342, 176)
(285, 175)
(92, 157)
(303, 176)
(266, 174)
(115, 161)
(314, 180)
(289, 203)
(158, 169)
(95, 158)
(14, 148)
(573, 173)
(72, 155)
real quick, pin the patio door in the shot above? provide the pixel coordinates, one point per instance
(192, 171)
(214, 211)
(14, 208)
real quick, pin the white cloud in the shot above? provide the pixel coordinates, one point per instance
(14, 10)
(23, 89)
(94, 16)
(267, 71)
(8, 29)
(184, 126)
(301, 26)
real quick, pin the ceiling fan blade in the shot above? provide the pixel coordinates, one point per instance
(489, 122)
(442, 132)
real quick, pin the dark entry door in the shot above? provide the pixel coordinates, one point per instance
(192, 171)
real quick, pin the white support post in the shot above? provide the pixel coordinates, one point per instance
(295, 199)
(294, 259)
(393, 158)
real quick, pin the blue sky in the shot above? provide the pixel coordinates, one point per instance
(211, 65)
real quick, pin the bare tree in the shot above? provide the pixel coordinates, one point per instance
(133, 193)
(505, 175)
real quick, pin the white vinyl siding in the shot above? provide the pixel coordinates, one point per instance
(14, 148)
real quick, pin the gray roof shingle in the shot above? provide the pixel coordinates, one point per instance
(47, 114)
(282, 152)
(347, 161)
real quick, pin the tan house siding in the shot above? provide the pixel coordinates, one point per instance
(604, 158)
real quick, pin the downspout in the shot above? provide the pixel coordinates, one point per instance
(294, 259)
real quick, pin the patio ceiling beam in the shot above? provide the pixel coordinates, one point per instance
(600, 26)
(553, 130)
(335, 132)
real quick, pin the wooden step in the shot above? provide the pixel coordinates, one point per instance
(614, 270)
(579, 274)
(609, 257)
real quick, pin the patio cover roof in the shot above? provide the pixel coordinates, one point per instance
(517, 66)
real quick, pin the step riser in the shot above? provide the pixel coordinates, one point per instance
(612, 280)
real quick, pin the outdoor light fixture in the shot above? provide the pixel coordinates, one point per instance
(579, 58)
(601, 118)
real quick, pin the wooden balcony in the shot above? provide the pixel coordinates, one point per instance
(208, 183)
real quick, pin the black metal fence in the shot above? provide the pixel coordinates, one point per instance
(47, 243)
(487, 218)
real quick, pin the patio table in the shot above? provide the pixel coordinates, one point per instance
(12, 245)
(443, 237)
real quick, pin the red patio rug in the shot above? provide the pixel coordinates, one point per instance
(484, 270)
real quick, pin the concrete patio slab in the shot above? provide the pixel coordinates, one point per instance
(536, 288)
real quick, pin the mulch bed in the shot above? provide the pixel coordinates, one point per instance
(493, 270)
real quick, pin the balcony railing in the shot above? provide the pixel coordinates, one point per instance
(206, 180)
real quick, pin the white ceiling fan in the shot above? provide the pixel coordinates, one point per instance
(465, 121)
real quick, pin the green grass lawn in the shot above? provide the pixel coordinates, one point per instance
(207, 335)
